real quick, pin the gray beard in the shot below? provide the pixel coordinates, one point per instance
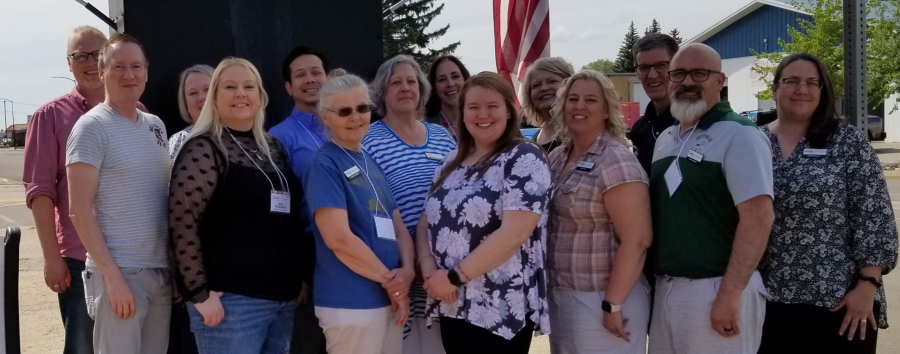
(687, 110)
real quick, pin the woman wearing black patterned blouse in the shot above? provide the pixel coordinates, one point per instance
(834, 234)
(235, 224)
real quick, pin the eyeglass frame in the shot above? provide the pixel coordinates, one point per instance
(800, 84)
(652, 66)
(352, 109)
(691, 74)
(95, 54)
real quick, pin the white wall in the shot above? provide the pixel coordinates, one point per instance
(892, 120)
(639, 95)
(742, 83)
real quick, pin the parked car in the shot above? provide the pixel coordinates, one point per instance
(876, 128)
(529, 132)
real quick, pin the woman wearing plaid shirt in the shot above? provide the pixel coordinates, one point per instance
(599, 299)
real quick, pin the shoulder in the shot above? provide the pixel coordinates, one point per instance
(523, 149)
(280, 129)
(850, 139)
(733, 117)
(52, 106)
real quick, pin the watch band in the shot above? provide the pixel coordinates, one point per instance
(453, 277)
(608, 307)
(202, 296)
(875, 281)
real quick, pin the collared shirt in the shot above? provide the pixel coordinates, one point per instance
(45, 163)
(581, 242)
(694, 224)
(646, 130)
(833, 216)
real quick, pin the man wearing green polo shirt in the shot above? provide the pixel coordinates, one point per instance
(711, 191)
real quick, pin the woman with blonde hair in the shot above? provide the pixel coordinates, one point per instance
(599, 298)
(193, 86)
(234, 221)
(538, 93)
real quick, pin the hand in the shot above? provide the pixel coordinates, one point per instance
(438, 286)
(428, 267)
(726, 314)
(860, 310)
(304, 293)
(614, 323)
(401, 304)
(397, 282)
(211, 309)
(56, 274)
(120, 296)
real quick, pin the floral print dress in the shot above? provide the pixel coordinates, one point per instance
(463, 211)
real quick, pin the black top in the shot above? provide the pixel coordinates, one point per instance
(225, 236)
(548, 147)
(645, 131)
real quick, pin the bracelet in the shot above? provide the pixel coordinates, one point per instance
(466, 278)
(423, 257)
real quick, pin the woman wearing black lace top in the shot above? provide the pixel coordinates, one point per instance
(234, 219)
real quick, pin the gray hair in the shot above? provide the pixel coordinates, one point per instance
(337, 84)
(378, 88)
(554, 65)
(182, 103)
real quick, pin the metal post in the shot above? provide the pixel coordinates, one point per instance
(12, 114)
(5, 127)
(855, 84)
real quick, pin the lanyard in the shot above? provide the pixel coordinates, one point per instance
(281, 178)
(366, 173)
(452, 128)
(309, 133)
(683, 143)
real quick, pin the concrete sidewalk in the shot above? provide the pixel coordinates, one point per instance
(889, 156)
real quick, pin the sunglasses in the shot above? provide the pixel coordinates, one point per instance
(347, 111)
(81, 57)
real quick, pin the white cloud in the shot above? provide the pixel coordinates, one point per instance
(560, 35)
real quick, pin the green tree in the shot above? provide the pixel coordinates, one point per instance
(601, 65)
(676, 35)
(625, 59)
(883, 50)
(654, 28)
(404, 31)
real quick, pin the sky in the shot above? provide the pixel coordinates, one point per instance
(33, 44)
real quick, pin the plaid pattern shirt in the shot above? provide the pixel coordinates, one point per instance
(581, 241)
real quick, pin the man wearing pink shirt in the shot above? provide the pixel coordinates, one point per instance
(46, 191)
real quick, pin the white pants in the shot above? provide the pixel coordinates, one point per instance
(349, 331)
(576, 322)
(681, 322)
(423, 340)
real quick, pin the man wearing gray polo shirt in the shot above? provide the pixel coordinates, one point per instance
(711, 192)
(118, 166)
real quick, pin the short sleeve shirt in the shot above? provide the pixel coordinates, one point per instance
(582, 241)
(464, 210)
(694, 227)
(132, 198)
(327, 186)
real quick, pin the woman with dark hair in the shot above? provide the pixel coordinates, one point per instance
(447, 75)
(481, 239)
(834, 234)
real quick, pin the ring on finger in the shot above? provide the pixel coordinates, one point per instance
(863, 320)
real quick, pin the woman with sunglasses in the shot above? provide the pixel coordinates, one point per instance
(408, 150)
(364, 255)
(834, 234)
(447, 75)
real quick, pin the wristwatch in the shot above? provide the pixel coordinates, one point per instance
(202, 296)
(877, 282)
(609, 307)
(453, 276)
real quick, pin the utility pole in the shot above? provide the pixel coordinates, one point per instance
(12, 114)
(855, 85)
(5, 127)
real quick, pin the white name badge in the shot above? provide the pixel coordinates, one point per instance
(434, 157)
(385, 228)
(673, 177)
(352, 172)
(815, 152)
(694, 156)
(586, 166)
(281, 202)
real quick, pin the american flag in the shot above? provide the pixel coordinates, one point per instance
(521, 36)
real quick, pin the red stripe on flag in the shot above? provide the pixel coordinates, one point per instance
(519, 15)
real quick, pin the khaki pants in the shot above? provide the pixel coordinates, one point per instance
(372, 331)
(147, 332)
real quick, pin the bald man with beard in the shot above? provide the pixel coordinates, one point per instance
(711, 190)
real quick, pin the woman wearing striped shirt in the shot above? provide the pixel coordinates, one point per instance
(408, 151)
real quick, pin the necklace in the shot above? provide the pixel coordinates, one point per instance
(246, 148)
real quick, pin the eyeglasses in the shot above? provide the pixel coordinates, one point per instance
(794, 84)
(347, 111)
(698, 75)
(81, 57)
(644, 69)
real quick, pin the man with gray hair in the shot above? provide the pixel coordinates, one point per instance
(652, 55)
(711, 189)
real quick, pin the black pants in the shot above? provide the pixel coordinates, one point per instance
(460, 337)
(798, 328)
(181, 339)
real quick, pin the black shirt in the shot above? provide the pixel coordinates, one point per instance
(645, 131)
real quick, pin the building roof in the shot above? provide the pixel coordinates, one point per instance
(744, 11)
(17, 127)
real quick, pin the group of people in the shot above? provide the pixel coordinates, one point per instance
(440, 228)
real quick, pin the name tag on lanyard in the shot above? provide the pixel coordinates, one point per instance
(694, 156)
(280, 202)
(385, 228)
(815, 152)
(673, 177)
(352, 172)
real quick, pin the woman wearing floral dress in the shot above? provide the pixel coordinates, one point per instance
(834, 234)
(481, 240)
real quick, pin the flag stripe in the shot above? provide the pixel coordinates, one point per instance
(521, 36)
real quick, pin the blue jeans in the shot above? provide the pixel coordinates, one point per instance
(250, 326)
(78, 324)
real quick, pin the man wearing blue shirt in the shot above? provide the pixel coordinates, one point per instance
(304, 71)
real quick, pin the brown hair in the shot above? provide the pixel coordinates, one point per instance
(824, 119)
(117, 39)
(511, 135)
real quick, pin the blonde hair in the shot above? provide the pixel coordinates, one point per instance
(554, 65)
(615, 124)
(210, 122)
(182, 103)
(80, 31)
